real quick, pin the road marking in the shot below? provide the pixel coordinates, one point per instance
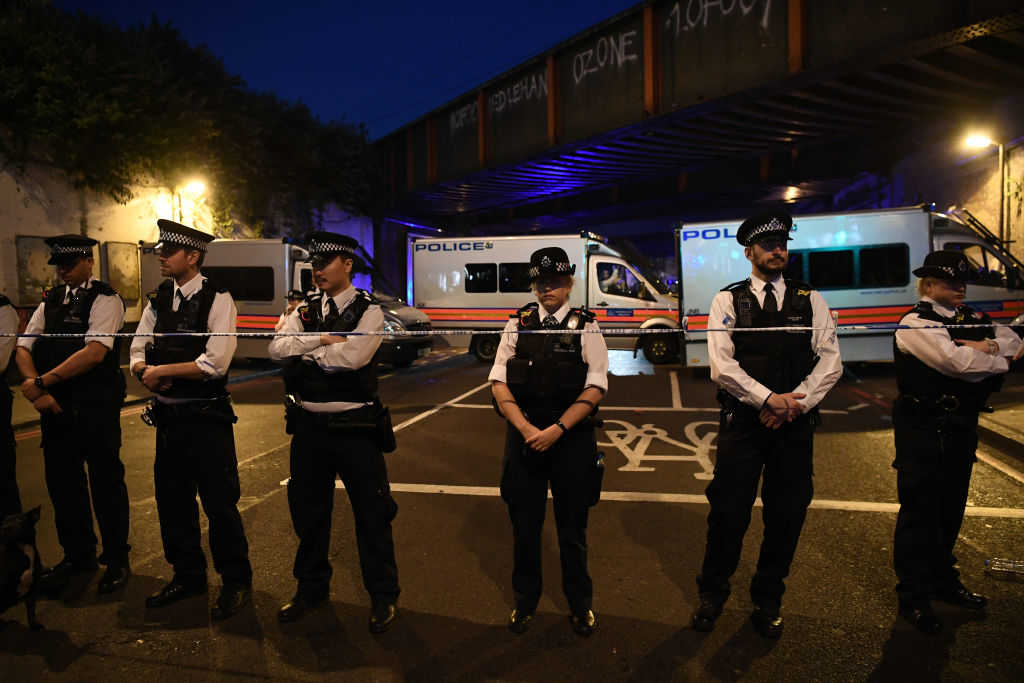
(677, 400)
(999, 465)
(428, 413)
(643, 409)
(1003, 430)
(858, 406)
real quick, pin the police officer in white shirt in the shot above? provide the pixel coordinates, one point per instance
(547, 387)
(339, 428)
(10, 501)
(945, 376)
(770, 385)
(77, 386)
(195, 440)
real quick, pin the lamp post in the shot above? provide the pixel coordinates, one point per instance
(980, 141)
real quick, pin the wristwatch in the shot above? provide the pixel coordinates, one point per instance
(138, 373)
(38, 381)
(561, 426)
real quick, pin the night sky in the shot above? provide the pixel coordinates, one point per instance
(378, 63)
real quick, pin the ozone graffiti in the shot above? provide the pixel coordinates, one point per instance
(694, 14)
(698, 450)
(608, 51)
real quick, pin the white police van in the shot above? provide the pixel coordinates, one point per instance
(862, 264)
(475, 284)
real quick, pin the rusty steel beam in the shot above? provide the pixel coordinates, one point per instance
(797, 35)
(652, 75)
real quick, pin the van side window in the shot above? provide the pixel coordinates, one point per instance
(514, 277)
(830, 269)
(481, 278)
(991, 271)
(246, 283)
(887, 266)
(617, 280)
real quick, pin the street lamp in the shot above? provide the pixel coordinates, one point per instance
(981, 141)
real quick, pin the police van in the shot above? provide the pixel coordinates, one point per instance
(862, 264)
(475, 284)
(260, 272)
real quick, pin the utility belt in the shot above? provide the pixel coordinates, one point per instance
(372, 420)
(219, 410)
(940, 405)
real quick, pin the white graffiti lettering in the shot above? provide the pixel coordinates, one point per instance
(534, 87)
(462, 117)
(608, 51)
(696, 13)
(624, 434)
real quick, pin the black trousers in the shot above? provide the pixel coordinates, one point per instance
(933, 475)
(196, 454)
(568, 467)
(317, 457)
(10, 500)
(87, 433)
(782, 460)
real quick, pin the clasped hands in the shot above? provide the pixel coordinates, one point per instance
(781, 408)
(541, 439)
(40, 399)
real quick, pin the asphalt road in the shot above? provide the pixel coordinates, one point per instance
(453, 541)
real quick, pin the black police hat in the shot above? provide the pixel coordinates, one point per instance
(550, 261)
(765, 225)
(296, 294)
(174, 234)
(947, 264)
(68, 248)
(326, 243)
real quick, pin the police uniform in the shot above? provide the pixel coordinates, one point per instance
(195, 442)
(546, 374)
(88, 430)
(339, 428)
(942, 388)
(10, 501)
(748, 368)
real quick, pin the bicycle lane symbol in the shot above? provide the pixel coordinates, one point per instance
(625, 433)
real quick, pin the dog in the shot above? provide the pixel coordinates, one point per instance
(19, 563)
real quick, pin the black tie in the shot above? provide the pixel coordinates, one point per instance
(181, 299)
(332, 308)
(550, 322)
(770, 305)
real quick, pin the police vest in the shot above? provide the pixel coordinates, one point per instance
(778, 360)
(5, 392)
(915, 378)
(103, 382)
(547, 373)
(308, 381)
(193, 315)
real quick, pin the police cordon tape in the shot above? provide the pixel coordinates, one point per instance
(610, 331)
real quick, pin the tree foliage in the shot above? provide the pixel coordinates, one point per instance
(114, 108)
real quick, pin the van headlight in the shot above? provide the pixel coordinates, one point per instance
(392, 325)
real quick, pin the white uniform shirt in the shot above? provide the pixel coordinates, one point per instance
(106, 315)
(595, 351)
(8, 325)
(216, 357)
(352, 354)
(726, 371)
(935, 348)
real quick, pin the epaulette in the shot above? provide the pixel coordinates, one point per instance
(365, 295)
(525, 310)
(151, 296)
(103, 288)
(736, 285)
(799, 287)
(218, 289)
(585, 315)
(304, 314)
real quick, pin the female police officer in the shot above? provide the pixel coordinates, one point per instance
(945, 376)
(547, 386)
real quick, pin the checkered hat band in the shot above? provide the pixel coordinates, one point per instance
(183, 240)
(563, 267)
(774, 225)
(328, 248)
(59, 250)
(948, 270)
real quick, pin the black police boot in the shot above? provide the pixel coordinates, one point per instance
(178, 589)
(55, 580)
(115, 577)
(958, 594)
(767, 621)
(233, 597)
(584, 624)
(382, 615)
(710, 609)
(519, 620)
(922, 617)
(297, 607)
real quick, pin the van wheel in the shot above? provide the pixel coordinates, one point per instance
(661, 348)
(485, 346)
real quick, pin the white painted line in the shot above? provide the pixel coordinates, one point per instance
(471, 405)
(677, 400)
(1000, 465)
(857, 406)
(428, 413)
(638, 409)
(1003, 430)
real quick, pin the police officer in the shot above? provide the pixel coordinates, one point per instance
(548, 386)
(295, 299)
(195, 441)
(77, 386)
(339, 428)
(945, 376)
(10, 501)
(770, 384)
